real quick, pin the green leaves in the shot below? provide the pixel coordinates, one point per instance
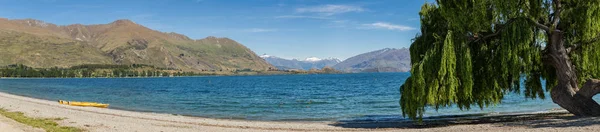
(581, 23)
(473, 52)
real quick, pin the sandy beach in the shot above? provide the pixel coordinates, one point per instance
(103, 120)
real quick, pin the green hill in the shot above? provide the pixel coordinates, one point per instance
(38, 44)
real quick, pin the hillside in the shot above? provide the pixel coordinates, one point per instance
(307, 64)
(384, 60)
(39, 44)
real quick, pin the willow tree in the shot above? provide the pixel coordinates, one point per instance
(472, 52)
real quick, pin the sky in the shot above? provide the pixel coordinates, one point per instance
(284, 28)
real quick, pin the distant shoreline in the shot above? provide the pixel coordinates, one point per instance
(137, 70)
(97, 119)
(202, 75)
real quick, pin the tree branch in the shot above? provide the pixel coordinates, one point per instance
(578, 45)
(501, 28)
(539, 25)
(590, 88)
(546, 57)
(557, 9)
(487, 36)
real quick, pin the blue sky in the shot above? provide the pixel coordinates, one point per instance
(284, 28)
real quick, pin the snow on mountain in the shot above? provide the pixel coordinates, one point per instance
(306, 64)
(333, 59)
(384, 60)
(264, 56)
(312, 59)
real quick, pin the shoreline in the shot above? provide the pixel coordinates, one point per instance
(33, 107)
(326, 120)
(428, 118)
(220, 75)
(97, 119)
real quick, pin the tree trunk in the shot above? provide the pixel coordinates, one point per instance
(566, 93)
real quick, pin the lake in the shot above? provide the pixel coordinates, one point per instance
(363, 96)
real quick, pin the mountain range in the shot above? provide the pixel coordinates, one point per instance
(384, 60)
(39, 44)
(306, 64)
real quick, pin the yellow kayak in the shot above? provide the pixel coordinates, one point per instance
(83, 104)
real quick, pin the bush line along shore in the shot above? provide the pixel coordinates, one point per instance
(134, 70)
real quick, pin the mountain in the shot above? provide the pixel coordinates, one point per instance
(384, 60)
(39, 44)
(307, 64)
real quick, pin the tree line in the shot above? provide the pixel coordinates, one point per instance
(90, 70)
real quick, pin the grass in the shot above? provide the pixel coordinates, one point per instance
(47, 51)
(48, 124)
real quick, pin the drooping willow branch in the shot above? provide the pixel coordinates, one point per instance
(578, 45)
(501, 28)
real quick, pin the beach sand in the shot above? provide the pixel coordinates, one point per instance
(104, 120)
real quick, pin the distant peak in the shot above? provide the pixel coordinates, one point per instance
(123, 22)
(218, 39)
(385, 50)
(34, 22)
(312, 59)
(178, 36)
(77, 24)
(334, 59)
(309, 59)
(265, 56)
(213, 37)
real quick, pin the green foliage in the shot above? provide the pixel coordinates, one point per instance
(585, 27)
(474, 52)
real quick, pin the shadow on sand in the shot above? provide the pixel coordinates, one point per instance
(532, 120)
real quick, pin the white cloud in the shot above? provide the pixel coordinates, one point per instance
(298, 17)
(387, 26)
(259, 30)
(328, 10)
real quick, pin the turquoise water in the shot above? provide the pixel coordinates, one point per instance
(365, 96)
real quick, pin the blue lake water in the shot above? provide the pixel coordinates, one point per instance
(365, 96)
